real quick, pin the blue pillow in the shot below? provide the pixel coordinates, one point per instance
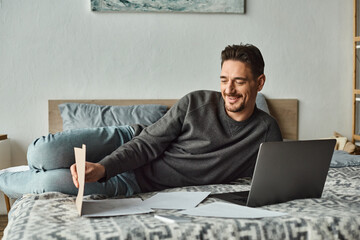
(342, 158)
(261, 102)
(81, 115)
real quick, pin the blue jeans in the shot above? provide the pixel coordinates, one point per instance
(50, 157)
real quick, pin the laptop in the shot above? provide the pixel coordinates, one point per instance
(286, 171)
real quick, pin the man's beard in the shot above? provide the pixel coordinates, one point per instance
(235, 107)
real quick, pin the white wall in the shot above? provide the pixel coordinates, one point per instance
(52, 49)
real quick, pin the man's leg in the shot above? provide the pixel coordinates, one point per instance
(15, 184)
(56, 151)
(50, 157)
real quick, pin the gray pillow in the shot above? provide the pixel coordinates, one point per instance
(261, 103)
(342, 158)
(80, 115)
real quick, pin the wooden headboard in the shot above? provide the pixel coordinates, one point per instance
(284, 110)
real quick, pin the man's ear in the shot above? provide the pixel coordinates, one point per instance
(260, 82)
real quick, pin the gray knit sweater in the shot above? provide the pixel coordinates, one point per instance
(195, 143)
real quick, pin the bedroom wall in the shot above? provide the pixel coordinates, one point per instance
(53, 49)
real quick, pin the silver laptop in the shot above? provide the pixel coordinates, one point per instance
(286, 171)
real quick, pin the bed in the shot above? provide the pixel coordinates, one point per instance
(334, 216)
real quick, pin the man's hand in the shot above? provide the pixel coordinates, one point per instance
(93, 172)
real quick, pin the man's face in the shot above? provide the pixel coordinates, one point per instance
(239, 89)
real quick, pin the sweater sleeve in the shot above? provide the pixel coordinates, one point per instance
(149, 145)
(274, 132)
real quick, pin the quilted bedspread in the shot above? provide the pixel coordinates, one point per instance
(335, 216)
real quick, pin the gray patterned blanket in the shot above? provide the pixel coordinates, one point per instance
(335, 216)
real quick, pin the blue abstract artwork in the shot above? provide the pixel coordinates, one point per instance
(200, 6)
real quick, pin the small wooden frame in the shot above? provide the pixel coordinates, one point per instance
(7, 202)
(285, 112)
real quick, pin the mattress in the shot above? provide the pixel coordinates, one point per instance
(334, 216)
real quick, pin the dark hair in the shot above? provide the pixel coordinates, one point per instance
(247, 54)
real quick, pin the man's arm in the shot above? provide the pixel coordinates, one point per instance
(149, 145)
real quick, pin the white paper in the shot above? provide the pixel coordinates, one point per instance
(80, 156)
(169, 218)
(229, 210)
(175, 200)
(113, 207)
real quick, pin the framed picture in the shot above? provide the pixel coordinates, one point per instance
(195, 6)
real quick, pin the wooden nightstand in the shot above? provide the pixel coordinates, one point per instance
(5, 160)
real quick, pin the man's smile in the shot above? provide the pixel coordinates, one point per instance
(232, 99)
